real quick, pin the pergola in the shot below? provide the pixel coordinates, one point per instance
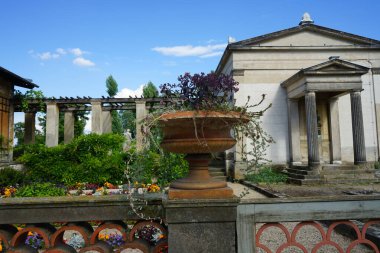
(101, 119)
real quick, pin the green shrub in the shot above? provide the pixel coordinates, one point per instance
(88, 158)
(11, 177)
(40, 190)
(266, 175)
(164, 167)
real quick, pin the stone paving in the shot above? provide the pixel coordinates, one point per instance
(248, 193)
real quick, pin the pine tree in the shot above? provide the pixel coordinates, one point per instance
(112, 89)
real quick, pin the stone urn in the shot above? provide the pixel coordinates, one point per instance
(198, 134)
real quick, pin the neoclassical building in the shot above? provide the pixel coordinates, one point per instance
(324, 87)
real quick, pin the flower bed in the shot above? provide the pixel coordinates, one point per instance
(81, 189)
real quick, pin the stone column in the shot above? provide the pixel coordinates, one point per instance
(357, 128)
(52, 124)
(107, 122)
(11, 131)
(30, 127)
(311, 128)
(141, 112)
(335, 146)
(69, 121)
(240, 165)
(294, 132)
(96, 117)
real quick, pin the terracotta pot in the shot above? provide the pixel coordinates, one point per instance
(197, 134)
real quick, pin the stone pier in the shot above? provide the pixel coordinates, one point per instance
(52, 124)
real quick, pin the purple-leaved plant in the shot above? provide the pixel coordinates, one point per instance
(201, 91)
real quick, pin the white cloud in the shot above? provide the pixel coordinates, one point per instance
(48, 56)
(82, 62)
(61, 51)
(125, 93)
(77, 51)
(212, 54)
(189, 50)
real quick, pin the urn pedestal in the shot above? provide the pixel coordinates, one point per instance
(198, 134)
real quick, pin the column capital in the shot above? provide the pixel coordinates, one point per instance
(50, 103)
(96, 102)
(140, 102)
(293, 99)
(356, 91)
(310, 91)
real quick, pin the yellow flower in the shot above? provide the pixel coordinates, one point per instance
(30, 233)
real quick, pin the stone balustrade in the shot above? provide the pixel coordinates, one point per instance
(86, 216)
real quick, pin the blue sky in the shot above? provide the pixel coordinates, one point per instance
(70, 47)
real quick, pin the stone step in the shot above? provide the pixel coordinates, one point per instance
(352, 181)
(339, 166)
(349, 176)
(217, 174)
(301, 176)
(219, 178)
(356, 171)
(304, 181)
(217, 163)
(302, 172)
(301, 167)
(216, 169)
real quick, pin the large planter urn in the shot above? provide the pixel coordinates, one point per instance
(198, 134)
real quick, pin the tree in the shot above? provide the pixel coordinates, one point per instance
(19, 130)
(150, 90)
(112, 86)
(112, 89)
(128, 119)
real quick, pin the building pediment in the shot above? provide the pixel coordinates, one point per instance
(307, 35)
(335, 65)
(334, 76)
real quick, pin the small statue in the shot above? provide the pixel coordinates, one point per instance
(127, 141)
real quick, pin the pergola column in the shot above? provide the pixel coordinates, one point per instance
(357, 128)
(68, 127)
(107, 122)
(96, 117)
(30, 127)
(52, 124)
(294, 132)
(312, 128)
(141, 112)
(335, 146)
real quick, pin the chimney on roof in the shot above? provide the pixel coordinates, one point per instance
(334, 57)
(306, 19)
(231, 40)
